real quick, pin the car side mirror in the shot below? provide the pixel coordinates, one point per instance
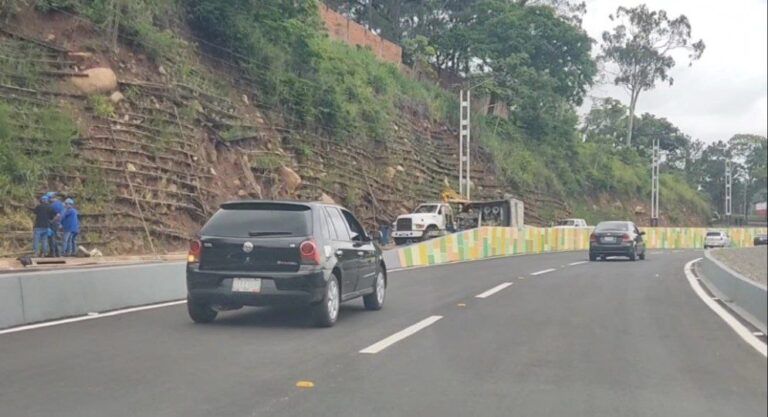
(642, 233)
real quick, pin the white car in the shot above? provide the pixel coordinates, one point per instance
(570, 223)
(716, 239)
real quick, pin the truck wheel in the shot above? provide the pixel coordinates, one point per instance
(375, 300)
(200, 312)
(431, 232)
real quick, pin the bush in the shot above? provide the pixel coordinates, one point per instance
(101, 106)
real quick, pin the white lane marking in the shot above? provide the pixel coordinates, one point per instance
(493, 290)
(402, 334)
(90, 316)
(578, 263)
(543, 272)
(737, 327)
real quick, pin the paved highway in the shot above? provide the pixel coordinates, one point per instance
(543, 335)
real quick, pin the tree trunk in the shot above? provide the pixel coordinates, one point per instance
(632, 102)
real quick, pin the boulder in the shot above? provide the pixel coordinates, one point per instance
(325, 198)
(116, 97)
(99, 80)
(289, 178)
(390, 173)
(242, 193)
(639, 210)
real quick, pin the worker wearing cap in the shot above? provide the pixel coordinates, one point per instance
(70, 222)
(55, 240)
(43, 216)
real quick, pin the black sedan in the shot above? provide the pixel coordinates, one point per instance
(616, 238)
(761, 240)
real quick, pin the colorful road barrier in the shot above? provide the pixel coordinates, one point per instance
(489, 242)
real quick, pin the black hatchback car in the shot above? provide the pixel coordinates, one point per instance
(616, 238)
(256, 253)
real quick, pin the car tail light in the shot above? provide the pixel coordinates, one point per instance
(195, 251)
(593, 237)
(310, 254)
(627, 237)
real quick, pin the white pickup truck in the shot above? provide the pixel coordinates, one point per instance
(429, 220)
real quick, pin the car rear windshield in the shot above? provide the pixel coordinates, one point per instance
(716, 234)
(618, 226)
(259, 220)
(566, 223)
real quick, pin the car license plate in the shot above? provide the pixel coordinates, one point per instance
(251, 285)
(609, 239)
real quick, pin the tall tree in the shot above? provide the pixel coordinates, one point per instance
(641, 46)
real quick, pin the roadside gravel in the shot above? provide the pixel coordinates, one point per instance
(750, 262)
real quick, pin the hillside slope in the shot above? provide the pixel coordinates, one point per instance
(191, 128)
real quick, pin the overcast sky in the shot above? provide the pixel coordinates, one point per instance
(725, 91)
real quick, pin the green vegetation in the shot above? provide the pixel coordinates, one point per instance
(318, 84)
(34, 143)
(101, 106)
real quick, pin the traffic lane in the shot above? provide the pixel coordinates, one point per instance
(158, 363)
(611, 338)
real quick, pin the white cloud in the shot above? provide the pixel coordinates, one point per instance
(723, 93)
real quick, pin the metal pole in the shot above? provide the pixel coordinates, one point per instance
(655, 183)
(728, 190)
(463, 141)
(469, 144)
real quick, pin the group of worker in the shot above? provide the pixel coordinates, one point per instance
(57, 226)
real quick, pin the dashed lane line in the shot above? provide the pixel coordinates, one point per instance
(493, 290)
(402, 334)
(546, 271)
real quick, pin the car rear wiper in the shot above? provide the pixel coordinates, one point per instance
(255, 234)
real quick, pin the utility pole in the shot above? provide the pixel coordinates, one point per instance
(728, 190)
(464, 143)
(655, 183)
(746, 207)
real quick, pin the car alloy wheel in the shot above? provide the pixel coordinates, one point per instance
(332, 299)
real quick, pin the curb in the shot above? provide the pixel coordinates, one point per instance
(744, 296)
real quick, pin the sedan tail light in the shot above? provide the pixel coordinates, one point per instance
(593, 237)
(310, 254)
(195, 251)
(627, 237)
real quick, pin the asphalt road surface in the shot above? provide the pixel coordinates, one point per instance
(610, 338)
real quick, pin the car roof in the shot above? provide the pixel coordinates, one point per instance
(311, 204)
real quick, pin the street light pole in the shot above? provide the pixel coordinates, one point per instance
(655, 183)
(464, 142)
(728, 190)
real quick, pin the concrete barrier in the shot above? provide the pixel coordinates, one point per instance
(11, 305)
(39, 296)
(487, 242)
(748, 298)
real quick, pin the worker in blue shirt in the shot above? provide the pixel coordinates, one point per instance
(55, 241)
(70, 222)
